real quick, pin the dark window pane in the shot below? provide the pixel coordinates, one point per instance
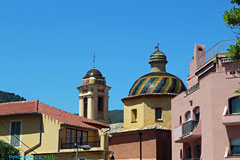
(85, 101)
(158, 113)
(235, 105)
(15, 133)
(100, 103)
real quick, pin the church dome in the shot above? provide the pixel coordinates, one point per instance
(93, 73)
(157, 83)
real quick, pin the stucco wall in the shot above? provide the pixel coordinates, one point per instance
(215, 88)
(146, 111)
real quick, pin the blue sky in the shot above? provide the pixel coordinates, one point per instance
(46, 47)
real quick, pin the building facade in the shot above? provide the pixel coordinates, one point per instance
(206, 118)
(147, 114)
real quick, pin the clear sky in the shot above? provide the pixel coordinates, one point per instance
(47, 46)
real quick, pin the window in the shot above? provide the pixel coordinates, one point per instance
(188, 116)
(75, 136)
(158, 113)
(180, 120)
(100, 103)
(134, 115)
(197, 114)
(85, 101)
(235, 146)
(188, 153)
(234, 104)
(16, 129)
(181, 154)
(198, 151)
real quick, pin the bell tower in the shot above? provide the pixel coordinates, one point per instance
(93, 96)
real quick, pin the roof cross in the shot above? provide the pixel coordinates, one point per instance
(157, 46)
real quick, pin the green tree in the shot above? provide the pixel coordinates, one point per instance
(232, 20)
(6, 150)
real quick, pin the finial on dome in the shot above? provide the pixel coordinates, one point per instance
(157, 46)
(93, 60)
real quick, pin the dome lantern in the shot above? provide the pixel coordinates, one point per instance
(158, 61)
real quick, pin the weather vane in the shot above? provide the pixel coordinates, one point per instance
(157, 46)
(94, 60)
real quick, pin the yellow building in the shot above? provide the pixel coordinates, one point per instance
(37, 129)
(149, 99)
(146, 131)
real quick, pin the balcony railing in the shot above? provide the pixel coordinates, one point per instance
(189, 127)
(66, 143)
(220, 47)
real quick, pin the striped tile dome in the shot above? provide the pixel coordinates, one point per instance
(157, 83)
(93, 73)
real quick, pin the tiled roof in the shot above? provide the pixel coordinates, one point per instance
(37, 107)
(118, 128)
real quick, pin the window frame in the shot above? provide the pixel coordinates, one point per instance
(20, 134)
(85, 107)
(230, 104)
(134, 115)
(195, 113)
(100, 105)
(157, 119)
(76, 137)
(186, 116)
(235, 139)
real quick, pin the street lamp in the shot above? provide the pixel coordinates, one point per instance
(112, 157)
(85, 147)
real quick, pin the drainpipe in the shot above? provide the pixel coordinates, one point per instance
(40, 140)
(59, 140)
(140, 139)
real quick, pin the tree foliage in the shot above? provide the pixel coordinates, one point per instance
(6, 150)
(232, 20)
(10, 97)
(115, 116)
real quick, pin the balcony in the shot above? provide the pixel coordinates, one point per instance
(230, 119)
(220, 47)
(66, 143)
(188, 127)
(187, 132)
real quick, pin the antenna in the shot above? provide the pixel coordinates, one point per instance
(93, 60)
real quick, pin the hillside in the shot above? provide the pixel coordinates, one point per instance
(115, 116)
(10, 97)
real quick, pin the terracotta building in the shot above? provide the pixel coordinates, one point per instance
(146, 131)
(206, 118)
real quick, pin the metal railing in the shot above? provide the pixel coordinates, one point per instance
(189, 127)
(220, 47)
(67, 143)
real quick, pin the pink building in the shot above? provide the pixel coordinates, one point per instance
(206, 118)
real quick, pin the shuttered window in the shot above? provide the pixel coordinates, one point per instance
(15, 133)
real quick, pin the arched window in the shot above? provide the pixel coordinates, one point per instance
(100, 103)
(85, 104)
(234, 104)
(197, 113)
(188, 116)
(235, 146)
